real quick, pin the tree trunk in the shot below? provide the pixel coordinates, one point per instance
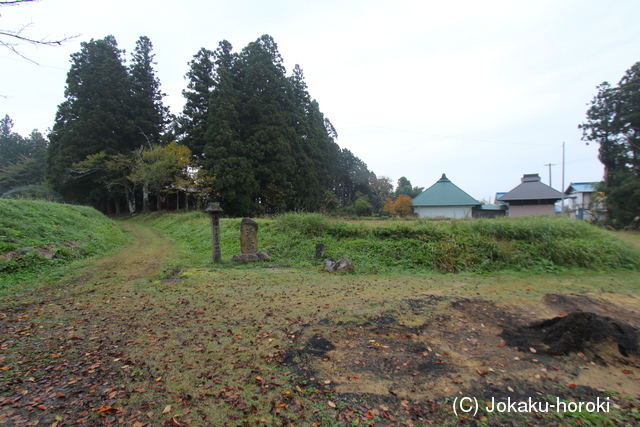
(145, 198)
(132, 203)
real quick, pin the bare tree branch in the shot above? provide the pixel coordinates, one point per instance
(14, 2)
(20, 38)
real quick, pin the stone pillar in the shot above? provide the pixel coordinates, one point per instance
(214, 211)
(248, 236)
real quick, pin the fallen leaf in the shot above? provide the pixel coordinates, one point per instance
(166, 409)
(331, 404)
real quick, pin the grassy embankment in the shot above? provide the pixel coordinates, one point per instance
(37, 238)
(421, 246)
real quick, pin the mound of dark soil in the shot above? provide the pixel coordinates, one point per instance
(318, 346)
(576, 332)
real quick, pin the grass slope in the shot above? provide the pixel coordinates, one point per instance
(36, 236)
(540, 244)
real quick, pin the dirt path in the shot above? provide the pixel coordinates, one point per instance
(143, 258)
(60, 345)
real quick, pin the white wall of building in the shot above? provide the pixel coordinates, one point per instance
(443, 211)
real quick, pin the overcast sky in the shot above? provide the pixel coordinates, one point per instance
(484, 91)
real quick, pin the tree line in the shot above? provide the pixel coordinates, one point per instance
(250, 136)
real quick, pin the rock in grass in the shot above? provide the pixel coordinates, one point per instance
(344, 265)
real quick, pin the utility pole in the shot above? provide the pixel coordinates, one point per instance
(562, 189)
(549, 165)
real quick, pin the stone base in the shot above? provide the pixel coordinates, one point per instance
(260, 256)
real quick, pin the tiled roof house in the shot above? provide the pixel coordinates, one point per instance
(531, 198)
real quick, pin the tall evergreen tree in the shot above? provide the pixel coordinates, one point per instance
(613, 121)
(96, 116)
(267, 134)
(226, 156)
(150, 115)
(192, 123)
(267, 143)
(315, 149)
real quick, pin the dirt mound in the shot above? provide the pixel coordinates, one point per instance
(576, 332)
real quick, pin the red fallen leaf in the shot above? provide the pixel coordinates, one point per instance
(573, 385)
(627, 372)
(482, 373)
(369, 414)
(44, 408)
(555, 368)
(174, 423)
(107, 410)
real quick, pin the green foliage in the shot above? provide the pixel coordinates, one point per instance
(37, 236)
(150, 115)
(446, 246)
(613, 122)
(96, 116)
(312, 225)
(380, 188)
(22, 160)
(404, 187)
(263, 137)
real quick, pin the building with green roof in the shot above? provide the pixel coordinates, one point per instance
(444, 199)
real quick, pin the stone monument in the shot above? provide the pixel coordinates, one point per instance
(248, 236)
(249, 243)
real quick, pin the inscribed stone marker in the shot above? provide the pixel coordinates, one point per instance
(248, 236)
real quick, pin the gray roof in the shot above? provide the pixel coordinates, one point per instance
(531, 189)
(444, 193)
